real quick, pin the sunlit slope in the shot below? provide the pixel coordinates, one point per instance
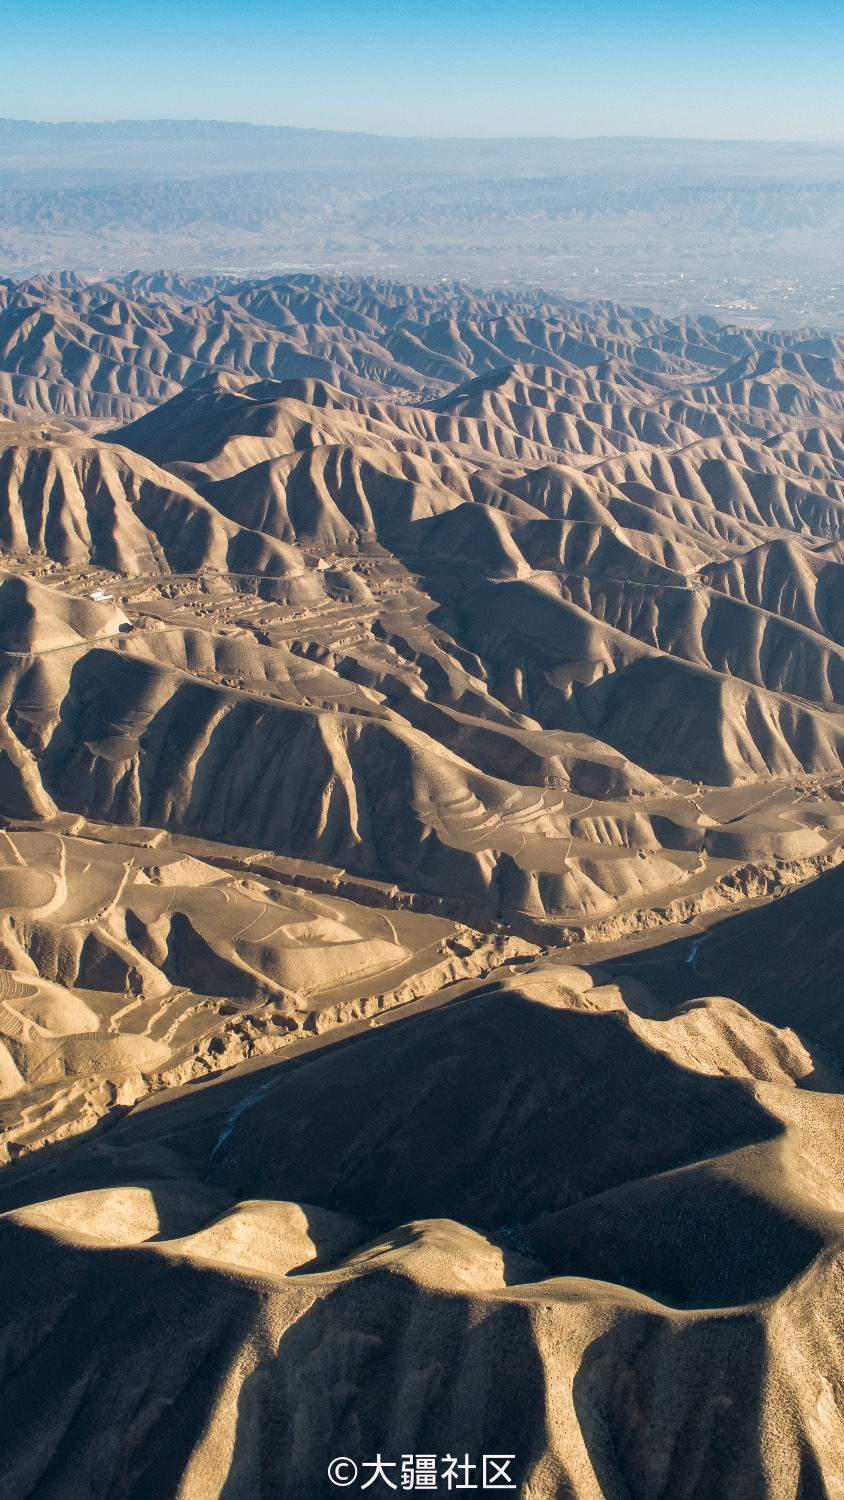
(510, 644)
(555, 1212)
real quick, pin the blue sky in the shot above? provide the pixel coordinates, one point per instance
(537, 67)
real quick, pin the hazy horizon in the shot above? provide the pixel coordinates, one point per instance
(317, 129)
(749, 227)
(545, 68)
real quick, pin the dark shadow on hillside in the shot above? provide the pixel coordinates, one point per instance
(690, 1239)
(114, 1361)
(784, 961)
(492, 1110)
(671, 1410)
(382, 1365)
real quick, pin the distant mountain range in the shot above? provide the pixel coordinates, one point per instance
(681, 224)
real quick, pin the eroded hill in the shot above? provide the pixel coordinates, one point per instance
(357, 641)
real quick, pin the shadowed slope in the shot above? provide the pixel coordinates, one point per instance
(305, 1332)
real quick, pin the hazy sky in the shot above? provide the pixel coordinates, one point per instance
(734, 68)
